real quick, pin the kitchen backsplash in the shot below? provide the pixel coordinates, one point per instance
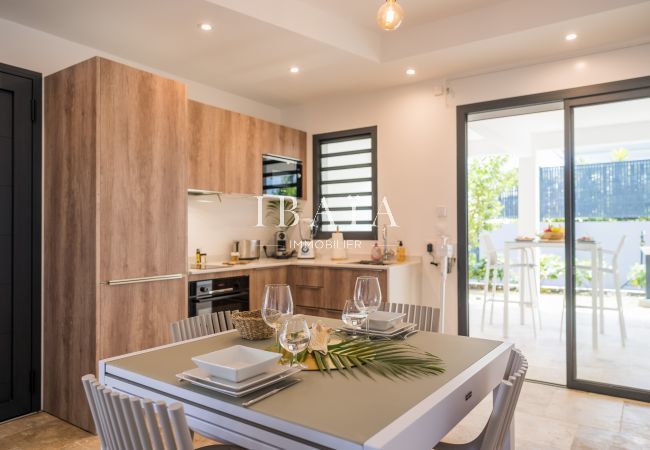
(214, 222)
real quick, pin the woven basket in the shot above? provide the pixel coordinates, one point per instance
(251, 326)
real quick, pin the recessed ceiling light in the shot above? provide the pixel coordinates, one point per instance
(205, 26)
(294, 69)
(571, 37)
(410, 72)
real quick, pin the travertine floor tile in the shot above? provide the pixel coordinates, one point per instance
(598, 439)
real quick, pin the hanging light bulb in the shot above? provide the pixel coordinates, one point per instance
(390, 15)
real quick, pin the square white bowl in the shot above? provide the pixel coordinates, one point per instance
(383, 320)
(237, 363)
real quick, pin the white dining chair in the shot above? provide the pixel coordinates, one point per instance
(125, 422)
(201, 325)
(426, 318)
(528, 283)
(598, 279)
(497, 433)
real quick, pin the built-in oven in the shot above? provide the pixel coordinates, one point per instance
(220, 294)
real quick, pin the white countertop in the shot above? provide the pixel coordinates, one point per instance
(263, 263)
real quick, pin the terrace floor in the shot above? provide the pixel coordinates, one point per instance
(611, 362)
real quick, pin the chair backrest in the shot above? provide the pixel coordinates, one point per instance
(124, 422)
(617, 252)
(201, 325)
(490, 249)
(426, 318)
(505, 402)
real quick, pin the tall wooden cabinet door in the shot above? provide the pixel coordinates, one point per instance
(142, 166)
(137, 316)
(208, 138)
(243, 156)
(259, 278)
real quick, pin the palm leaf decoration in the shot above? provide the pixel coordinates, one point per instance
(387, 358)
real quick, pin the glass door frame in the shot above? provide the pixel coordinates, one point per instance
(617, 90)
(569, 216)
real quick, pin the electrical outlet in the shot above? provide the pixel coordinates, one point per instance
(429, 248)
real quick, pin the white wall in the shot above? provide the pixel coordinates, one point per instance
(417, 138)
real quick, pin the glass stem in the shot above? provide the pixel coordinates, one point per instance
(277, 340)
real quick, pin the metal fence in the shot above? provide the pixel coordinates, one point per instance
(615, 190)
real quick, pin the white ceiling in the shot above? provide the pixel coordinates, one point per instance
(334, 42)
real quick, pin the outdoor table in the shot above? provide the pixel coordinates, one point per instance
(591, 247)
(322, 411)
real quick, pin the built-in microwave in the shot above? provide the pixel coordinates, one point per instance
(281, 176)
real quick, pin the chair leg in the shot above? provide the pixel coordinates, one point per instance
(601, 299)
(486, 288)
(619, 304)
(493, 277)
(562, 317)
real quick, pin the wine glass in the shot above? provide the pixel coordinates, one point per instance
(294, 336)
(277, 306)
(367, 295)
(353, 316)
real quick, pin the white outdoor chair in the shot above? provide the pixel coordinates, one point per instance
(598, 278)
(201, 325)
(124, 422)
(528, 285)
(426, 318)
(497, 431)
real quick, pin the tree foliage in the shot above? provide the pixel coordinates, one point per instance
(487, 180)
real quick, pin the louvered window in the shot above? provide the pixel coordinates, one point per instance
(345, 180)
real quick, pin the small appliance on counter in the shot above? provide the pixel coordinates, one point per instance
(221, 294)
(306, 228)
(280, 247)
(247, 248)
(338, 246)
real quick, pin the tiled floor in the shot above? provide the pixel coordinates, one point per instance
(547, 417)
(611, 362)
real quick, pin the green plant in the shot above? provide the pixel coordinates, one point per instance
(620, 154)
(390, 359)
(477, 268)
(551, 267)
(487, 179)
(637, 276)
(273, 211)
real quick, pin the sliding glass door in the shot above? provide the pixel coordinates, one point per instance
(608, 150)
(554, 232)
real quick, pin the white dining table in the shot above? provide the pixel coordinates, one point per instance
(323, 410)
(581, 246)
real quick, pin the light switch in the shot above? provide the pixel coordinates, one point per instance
(441, 211)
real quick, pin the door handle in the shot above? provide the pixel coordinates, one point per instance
(174, 276)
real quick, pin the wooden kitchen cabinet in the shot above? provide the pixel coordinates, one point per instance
(225, 149)
(325, 290)
(115, 208)
(258, 278)
(340, 285)
(138, 316)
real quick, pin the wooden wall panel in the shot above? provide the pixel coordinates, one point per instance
(143, 201)
(70, 250)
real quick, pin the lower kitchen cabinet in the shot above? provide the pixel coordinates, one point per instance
(258, 278)
(319, 312)
(137, 316)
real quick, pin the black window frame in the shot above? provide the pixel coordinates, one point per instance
(339, 136)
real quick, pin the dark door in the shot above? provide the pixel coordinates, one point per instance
(19, 242)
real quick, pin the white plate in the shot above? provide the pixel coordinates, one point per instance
(397, 330)
(204, 377)
(242, 393)
(384, 320)
(237, 363)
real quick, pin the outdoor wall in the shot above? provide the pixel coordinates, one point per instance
(417, 138)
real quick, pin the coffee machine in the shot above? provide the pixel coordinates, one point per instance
(280, 246)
